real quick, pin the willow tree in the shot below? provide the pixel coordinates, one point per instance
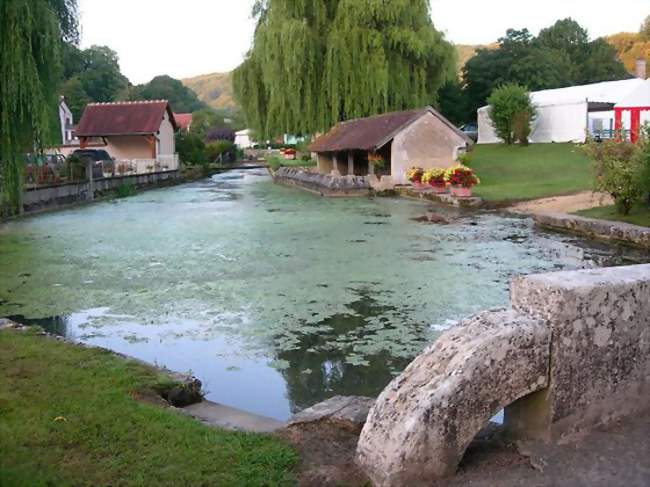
(31, 33)
(316, 62)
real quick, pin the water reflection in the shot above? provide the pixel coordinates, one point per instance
(322, 364)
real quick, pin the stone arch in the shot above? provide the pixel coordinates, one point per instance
(422, 423)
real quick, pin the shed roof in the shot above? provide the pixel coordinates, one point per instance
(374, 132)
(124, 118)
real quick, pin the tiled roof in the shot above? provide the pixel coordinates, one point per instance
(123, 118)
(371, 133)
(183, 120)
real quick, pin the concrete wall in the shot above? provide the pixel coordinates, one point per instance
(46, 197)
(325, 163)
(572, 353)
(129, 147)
(427, 143)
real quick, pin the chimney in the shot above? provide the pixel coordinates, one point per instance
(640, 68)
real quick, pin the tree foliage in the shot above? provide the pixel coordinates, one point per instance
(561, 55)
(511, 112)
(31, 34)
(181, 98)
(316, 62)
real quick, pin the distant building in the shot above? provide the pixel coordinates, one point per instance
(66, 121)
(243, 139)
(183, 121)
(422, 138)
(131, 131)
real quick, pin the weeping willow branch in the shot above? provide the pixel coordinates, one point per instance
(31, 32)
(316, 62)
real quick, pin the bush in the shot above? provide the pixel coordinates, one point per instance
(643, 159)
(618, 171)
(219, 149)
(126, 189)
(190, 148)
(512, 113)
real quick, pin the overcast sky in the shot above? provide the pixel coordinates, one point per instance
(191, 37)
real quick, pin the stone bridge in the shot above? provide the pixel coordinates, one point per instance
(571, 353)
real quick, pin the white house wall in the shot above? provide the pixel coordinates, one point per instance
(166, 143)
(427, 143)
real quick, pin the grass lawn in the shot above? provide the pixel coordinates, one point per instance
(640, 214)
(535, 171)
(68, 416)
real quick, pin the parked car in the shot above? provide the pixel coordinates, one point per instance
(471, 130)
(103, 163)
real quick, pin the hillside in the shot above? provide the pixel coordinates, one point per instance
(215, 89)
(630, 47)
(466, 51)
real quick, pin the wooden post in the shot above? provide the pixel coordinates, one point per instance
(350, 163)
(335, 165)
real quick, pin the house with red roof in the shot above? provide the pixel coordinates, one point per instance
(134, 131)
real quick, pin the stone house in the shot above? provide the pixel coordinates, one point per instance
(422, 137)
(141, 132)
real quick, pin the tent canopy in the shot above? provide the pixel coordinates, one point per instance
(562, 113)
(638, 98)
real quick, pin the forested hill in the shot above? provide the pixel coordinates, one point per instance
(214, 89)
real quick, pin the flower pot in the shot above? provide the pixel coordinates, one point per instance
(419, 185)
(461, 192)
(438, 189)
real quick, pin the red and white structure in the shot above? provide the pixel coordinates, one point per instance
(633, 111)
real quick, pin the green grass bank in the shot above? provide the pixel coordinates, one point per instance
(511, 173)
(79, 416)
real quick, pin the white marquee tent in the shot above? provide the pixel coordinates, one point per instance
(567, 114)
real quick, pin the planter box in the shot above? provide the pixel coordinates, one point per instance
(438, 189)
(461, 192)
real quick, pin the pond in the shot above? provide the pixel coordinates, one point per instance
(276, 299)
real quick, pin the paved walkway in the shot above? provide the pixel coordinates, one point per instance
(563, 204)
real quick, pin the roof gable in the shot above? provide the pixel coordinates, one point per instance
(374, 132)
(124, 118)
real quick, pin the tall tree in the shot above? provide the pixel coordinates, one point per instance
(31, 33)
(101, 77)
(316, 62)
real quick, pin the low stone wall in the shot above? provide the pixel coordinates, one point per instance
(444, 198)
(600, 229)
(323, 184)
(572, 353)
(52, 196)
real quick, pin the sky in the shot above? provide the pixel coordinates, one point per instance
(191, 37)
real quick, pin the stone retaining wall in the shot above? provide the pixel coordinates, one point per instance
(323, 184)
(55, 195)
(600, 229)
(572, 353)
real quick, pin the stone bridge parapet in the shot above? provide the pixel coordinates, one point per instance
(572, 353)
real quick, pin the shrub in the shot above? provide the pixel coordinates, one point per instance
(126, 189)
(190, 148)
(618, 171)
(643, 160)
(218, 149)
(512, 113)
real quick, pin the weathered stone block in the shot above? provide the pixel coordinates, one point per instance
(600, 352)
(424, 420)
(345, 412)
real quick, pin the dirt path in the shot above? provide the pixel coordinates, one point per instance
(563, 204)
